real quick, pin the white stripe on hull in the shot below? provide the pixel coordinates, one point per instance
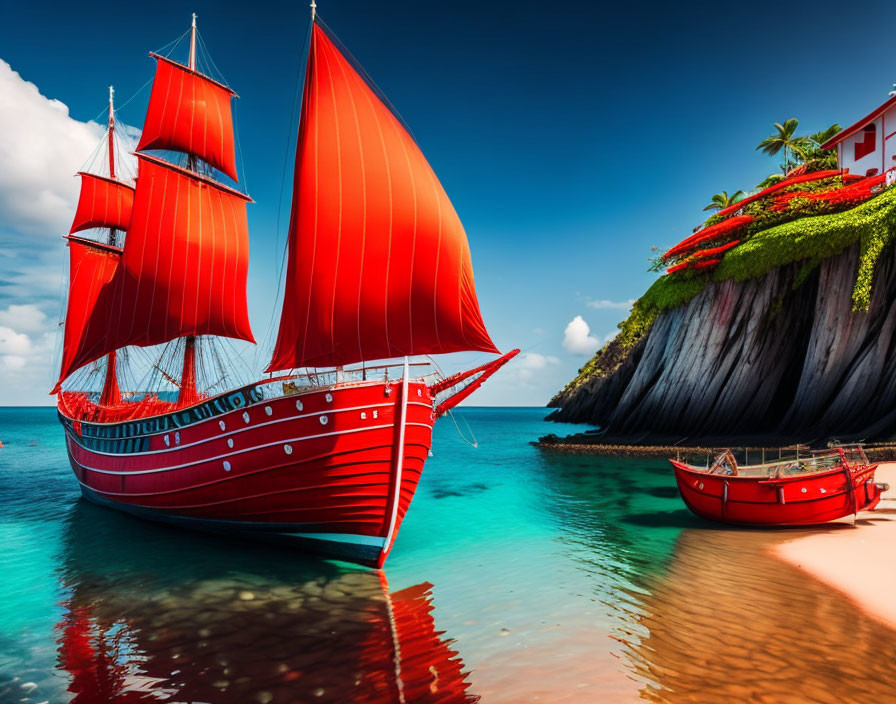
(225, 434)
(228, 454)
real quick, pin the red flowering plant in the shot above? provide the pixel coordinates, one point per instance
(720, 231)
(698, 259)
(798, 196)
(842, 198)
(707, 263)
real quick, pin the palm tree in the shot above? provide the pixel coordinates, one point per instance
(787, 140)
(722, 200)
(821, 137)
(818, 159)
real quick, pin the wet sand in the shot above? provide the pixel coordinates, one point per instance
(729, 622)
(857, 561)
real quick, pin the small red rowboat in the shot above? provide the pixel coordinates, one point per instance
(813, 489)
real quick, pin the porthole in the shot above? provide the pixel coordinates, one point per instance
(177, 438)
(167, 441)
(324, 420)
(363, 415)
(269, 410)
(245, 416)
(420, 392)
(804, 490)
(700, 485)
(226, 466)
(376, 414)
(824, 491)
(329, 398)
(230, 442)
(287, 449)
(222, 425)
(299, 406)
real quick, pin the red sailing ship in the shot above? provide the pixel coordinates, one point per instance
(818, 488)
(327, 449)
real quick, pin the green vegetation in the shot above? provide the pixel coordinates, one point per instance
(816, 238)
(804, 232)
(809, 239)
(803, 150)
(818, 159)
(785, 138)
(722, 200)
(666, 293)
(771, 180)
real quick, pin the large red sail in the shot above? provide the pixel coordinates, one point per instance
(189, 112)
(92, 272)
(183, 270)
(186, 259)
(379, 265)
(104, 202)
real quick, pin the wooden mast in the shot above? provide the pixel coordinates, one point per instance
(187, 393)
(111, 395)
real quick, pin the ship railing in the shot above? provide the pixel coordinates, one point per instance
(299, 382)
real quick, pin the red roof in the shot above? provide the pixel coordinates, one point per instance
(849, 131)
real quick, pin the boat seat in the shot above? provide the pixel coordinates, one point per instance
(724, 464)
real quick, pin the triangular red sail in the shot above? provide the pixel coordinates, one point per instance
(379, 265)
(92, 271)
(190, 113)
(104, 202)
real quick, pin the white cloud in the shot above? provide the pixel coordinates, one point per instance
(26, 317)
(529, 363)
(14, 348)
(13, 343)
(41, 148)
(577, 338)
(531, 367)
(604, 304)
(533, 360)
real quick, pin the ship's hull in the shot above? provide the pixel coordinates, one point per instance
(804, 499)
(332, 469)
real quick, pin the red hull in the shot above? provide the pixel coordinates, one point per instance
(788, 501)
(319, 467)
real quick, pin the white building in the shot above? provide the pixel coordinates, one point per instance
(868, 147)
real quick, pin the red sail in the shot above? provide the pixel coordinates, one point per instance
(189, 112)
(104, 202)
(92, 272)
(379, 265)
(183, 270)
(186, 260)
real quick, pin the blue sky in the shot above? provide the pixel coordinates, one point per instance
(571, 137)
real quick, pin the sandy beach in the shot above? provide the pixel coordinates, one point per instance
(857, 560)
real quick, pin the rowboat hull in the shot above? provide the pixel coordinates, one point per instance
(787, 501)
(332, 469)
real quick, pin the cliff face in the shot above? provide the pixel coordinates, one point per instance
(780, 358)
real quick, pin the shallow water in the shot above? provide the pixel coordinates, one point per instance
(518, 575)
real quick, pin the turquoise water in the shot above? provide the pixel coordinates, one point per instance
(518, 575)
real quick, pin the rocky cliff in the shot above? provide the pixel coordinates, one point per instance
(799, 349)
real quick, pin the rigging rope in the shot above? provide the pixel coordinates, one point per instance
(471, 443)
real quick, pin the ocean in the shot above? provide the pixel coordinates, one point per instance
(519, 575)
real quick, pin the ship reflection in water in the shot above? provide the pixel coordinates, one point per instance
(141, 624)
